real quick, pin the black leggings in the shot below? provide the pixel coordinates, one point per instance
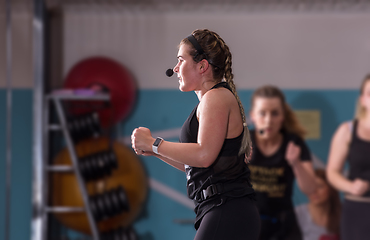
(237, 219)
(355, 221)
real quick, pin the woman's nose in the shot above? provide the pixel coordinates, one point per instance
(176, 69)
(268, 118)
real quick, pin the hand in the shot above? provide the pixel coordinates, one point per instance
(139, 152)
(142, 141)
(292, 153)
(144, 153)
(359, 187)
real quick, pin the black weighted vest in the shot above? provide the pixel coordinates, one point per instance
(227, 177)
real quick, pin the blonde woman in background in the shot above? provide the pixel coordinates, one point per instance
(351, 142)
(280, 156)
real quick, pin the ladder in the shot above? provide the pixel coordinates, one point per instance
(57, 98)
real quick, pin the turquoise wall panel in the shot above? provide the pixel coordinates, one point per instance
(21, 171)
(159, 110)
(2, 161)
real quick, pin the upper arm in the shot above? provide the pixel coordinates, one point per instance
(214, 113)
(339, 148)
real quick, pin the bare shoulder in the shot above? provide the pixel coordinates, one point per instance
(219, 95)
(344, 132)
(219, 101)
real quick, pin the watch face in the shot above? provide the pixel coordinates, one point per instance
(157, 141)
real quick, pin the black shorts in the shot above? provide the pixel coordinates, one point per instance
(237, 219)
(355, 221)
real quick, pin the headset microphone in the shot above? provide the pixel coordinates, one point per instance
(261, 131)
(169, 72)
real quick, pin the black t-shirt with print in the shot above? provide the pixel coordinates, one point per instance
(272, 177)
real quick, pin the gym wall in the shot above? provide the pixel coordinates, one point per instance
(21, 124)
(318, 59)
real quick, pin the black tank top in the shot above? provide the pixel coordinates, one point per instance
(359, 157)
(229, 171)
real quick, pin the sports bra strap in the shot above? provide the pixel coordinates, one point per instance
(352, 127)
(222, 84)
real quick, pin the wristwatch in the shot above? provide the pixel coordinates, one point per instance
(156, 144)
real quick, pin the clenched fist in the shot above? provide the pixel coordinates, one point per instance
(292, 153)
(359, 187)
(142, 141)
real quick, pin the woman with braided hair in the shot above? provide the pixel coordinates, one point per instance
(214, 142)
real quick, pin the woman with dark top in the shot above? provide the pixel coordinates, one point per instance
(320, 218)
(279, 157)
(214, 142)
(351, 142)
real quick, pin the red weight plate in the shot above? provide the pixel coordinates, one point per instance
(108, 74)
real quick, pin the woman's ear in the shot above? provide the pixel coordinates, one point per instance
(203, 66)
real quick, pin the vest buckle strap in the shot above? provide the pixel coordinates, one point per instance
(244, 188)
(210, 191)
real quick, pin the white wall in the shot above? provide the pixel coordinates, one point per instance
(296, 50)
(300, 50)
(22, 55)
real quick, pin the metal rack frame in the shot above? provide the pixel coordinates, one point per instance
(40, 218)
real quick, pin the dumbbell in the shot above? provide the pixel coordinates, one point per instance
(120, 234)
(109, 204)
(98, 165)
(84, 126)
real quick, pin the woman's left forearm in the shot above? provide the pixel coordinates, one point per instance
(305, 176)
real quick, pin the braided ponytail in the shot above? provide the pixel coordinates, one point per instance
(229, 78)
(219, 57)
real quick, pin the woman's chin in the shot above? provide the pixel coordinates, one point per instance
(183, 89)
